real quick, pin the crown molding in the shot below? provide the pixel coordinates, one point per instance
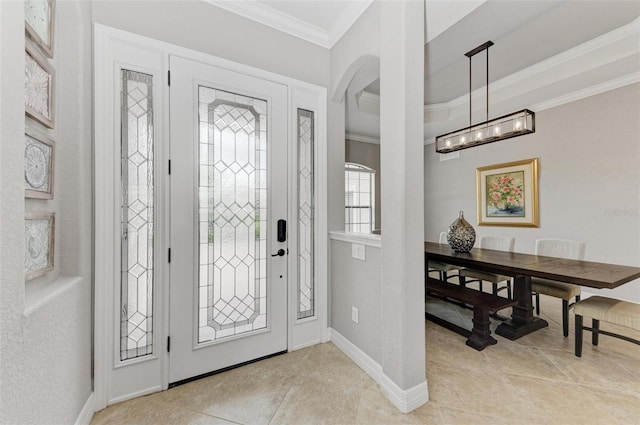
(368, 103)
(273, 18)
(346, 20)
(607, 48)
(577, 95)
(588, 92)
(263, 14)
(361, 138)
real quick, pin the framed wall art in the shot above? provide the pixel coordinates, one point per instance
(39, 230)
(39, 81)
(38, 165)
(508, 194)
(39, 23)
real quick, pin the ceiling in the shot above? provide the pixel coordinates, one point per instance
(545, 53)
(321, 22)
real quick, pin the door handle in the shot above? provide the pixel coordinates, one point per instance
(280, 253)
(282, 230)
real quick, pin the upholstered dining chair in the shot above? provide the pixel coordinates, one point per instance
(500, 243)
(442, 268)
(562, 248)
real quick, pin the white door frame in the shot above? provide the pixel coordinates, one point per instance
(112, 50)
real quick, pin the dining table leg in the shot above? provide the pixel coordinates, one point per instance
(522, 320)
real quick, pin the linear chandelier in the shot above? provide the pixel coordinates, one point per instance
(504, 127)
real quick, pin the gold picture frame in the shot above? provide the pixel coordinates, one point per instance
(39, 241)
(507, 194)
(39, 160)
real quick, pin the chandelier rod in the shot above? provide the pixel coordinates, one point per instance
(470, 54)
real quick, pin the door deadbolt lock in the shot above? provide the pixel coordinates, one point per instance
(280, 253)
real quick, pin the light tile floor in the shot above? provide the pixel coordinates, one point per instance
(535, 380)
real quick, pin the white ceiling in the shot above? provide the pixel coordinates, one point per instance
(545, 52)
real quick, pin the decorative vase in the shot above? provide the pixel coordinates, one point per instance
(461, 236)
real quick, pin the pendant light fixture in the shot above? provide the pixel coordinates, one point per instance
(504, 127)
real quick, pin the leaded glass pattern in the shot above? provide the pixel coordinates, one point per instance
(137, 184)
(306, 300)
(232, 214)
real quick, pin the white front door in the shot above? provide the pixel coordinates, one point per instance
(228, 294)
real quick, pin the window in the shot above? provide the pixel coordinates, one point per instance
(359, 199)
(137, 185)
(306, 205)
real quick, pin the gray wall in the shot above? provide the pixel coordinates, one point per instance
(357, 283)
(45, 372)
(206, 28)
(367, 154)
(589, 180)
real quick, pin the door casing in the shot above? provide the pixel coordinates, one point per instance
(113, 49)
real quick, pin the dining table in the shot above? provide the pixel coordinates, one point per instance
(522, 267)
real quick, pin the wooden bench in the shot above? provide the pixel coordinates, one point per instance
(483, 304)
(610, 310)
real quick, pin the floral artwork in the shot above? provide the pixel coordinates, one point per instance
(508, 194)
(505, 194)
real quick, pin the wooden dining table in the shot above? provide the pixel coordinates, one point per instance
(522, 267)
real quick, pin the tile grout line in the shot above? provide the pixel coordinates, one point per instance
(275, 412)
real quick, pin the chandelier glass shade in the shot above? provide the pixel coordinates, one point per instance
(507, 126)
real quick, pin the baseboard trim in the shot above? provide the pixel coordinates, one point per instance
(136, 394)
(306, 345)
(86, 414)
(404, 400)
(359, 357)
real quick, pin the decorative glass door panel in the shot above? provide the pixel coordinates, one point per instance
(228, 293)
(306, 204)
(232, 214)
(137, 185)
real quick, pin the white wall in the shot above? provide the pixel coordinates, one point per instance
(589, 154)
(45, 339)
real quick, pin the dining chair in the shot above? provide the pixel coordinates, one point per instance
(442, 268)
(500, 243)
(562, 248)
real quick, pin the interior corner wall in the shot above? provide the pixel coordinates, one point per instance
(589, 174)
(367, 154)
(45, 372)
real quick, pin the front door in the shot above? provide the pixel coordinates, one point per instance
(228, 294)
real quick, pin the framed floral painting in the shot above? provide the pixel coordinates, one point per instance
(508, 194)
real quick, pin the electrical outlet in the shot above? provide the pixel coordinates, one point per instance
(357, 251)
(354, 314)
